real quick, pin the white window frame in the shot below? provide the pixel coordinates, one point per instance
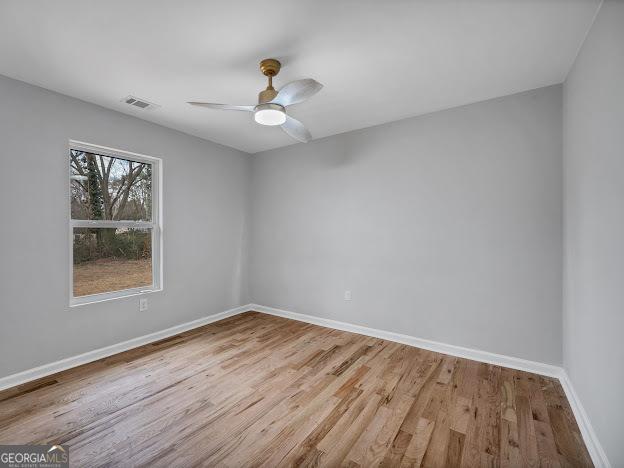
(155, 224)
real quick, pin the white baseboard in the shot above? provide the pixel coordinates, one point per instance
(589, 436)
(597, 453)
(468, 353)
(90, 356)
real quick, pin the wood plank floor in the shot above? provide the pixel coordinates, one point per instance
(257, 390)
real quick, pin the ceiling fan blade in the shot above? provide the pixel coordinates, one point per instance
(296, 130)
(222, 106)
(297, 91)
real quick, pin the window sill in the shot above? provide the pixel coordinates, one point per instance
(105, 297)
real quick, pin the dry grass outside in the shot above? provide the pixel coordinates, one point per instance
(106, 275)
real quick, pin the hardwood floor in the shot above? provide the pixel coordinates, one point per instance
(261, 390)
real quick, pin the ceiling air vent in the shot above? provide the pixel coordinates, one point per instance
(140, 103)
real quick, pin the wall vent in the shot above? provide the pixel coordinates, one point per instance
(140, 103)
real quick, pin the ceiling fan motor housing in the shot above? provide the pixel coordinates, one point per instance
(267, 95)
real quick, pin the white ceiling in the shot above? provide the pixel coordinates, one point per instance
(379, 60)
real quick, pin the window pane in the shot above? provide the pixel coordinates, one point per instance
(109, 259)
(103, 187)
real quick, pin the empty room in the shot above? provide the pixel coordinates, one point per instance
(348, 233)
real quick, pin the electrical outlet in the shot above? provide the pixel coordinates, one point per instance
(143, 304)
(347, 295)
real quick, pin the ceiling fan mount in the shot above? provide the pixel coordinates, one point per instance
(272, 104)
(270, 67)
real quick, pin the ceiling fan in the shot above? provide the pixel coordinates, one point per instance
(272, 104)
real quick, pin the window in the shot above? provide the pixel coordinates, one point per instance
(114, 228)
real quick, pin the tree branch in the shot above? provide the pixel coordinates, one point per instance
(129, 182)
(77, 165)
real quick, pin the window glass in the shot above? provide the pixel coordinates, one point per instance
(109, 188)
(111, 259)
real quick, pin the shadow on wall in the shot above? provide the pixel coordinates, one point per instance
(337, 153)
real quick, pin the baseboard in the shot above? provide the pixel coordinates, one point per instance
(597, 453)
(90, 356)
(468, 353)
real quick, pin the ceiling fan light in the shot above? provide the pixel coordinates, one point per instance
(269, 114)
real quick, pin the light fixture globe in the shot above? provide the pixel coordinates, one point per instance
(269, 114)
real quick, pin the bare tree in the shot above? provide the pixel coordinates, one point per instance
(114, 188)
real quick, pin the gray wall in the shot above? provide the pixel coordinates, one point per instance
(594, 227)
(446, 226)
(204, 209)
